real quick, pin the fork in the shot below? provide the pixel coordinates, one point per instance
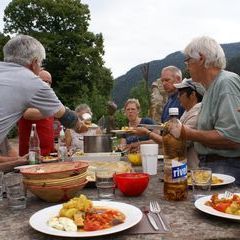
(228, 194)
(155, 208)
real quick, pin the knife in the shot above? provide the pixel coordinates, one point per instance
(150, 218)
(152, 221)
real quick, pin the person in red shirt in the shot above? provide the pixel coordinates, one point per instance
(45, 128)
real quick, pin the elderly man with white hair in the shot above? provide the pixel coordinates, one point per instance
(217, 138)
(171, 75)
(23, 92)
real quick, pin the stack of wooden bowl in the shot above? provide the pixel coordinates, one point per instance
(55, 182)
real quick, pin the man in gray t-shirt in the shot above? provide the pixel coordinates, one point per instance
(23, 92)
(217, 138)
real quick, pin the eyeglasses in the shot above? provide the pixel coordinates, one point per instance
(187, 59)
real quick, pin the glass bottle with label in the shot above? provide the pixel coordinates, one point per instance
(175, 161)
(62, 147)
(34, 146)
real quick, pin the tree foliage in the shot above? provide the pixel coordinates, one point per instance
(141, 92)
(74, 54)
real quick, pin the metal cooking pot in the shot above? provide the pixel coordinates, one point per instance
(98, 143)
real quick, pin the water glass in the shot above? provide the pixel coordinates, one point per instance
(201, 182)
(15, 191)
(1, 185)
(105, 183)
(149, 155)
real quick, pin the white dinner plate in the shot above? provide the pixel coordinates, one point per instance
(201, 205)
(24, 166)
(122, 131)
(151, 126)
(39, 220)
(227, 179)
(104, 156)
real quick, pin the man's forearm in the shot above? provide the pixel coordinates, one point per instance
(210, 139)
(7, 159)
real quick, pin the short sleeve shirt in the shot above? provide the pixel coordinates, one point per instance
(172, 102)
(219, 111)
(134, 138)
(20, 89)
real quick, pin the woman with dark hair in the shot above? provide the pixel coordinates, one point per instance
(190, 95)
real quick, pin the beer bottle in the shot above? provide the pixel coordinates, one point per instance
(62, 147)
(175, 161)
(34, 146)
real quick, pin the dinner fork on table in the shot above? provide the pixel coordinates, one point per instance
(155, 208)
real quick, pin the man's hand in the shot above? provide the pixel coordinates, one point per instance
(24, 158)
(140, 131)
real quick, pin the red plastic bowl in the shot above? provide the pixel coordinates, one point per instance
(132, 184)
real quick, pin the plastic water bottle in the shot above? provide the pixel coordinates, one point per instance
(62, 147)
(175, 161)
(34, 146)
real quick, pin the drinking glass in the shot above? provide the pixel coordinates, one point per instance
(15, 191)
(105, 183)
(149, 155)
(201, 182)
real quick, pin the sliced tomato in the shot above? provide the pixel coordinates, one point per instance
(221, 206)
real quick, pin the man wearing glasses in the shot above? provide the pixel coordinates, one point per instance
(22, 91)
(217, 138)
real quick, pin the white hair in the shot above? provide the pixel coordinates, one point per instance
(209, 48)
(175, 70)
(83, 107)
(23, 49)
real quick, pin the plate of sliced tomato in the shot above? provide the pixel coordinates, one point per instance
(220, 206)
(39, 220)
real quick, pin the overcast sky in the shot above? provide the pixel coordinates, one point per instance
(138, 31)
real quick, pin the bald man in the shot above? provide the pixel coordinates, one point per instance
(44, 127)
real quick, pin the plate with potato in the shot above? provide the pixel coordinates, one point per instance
(217, 179)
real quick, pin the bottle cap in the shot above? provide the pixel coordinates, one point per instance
(62, 134)
(173, 111)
